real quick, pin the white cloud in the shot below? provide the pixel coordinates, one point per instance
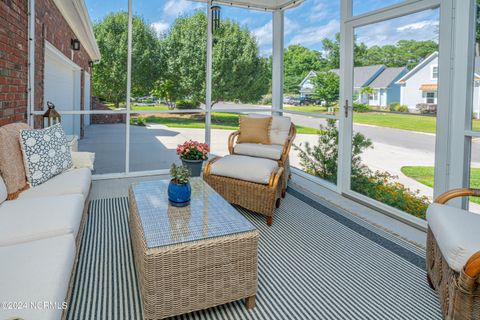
(390, 32)
(174, 8)
(418, 25)
(263, 34)
(160, 27)
(314, 35)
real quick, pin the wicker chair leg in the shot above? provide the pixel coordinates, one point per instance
(269, 221)
(284, 193)
(430, 283)
(277, 203)
(250, 302)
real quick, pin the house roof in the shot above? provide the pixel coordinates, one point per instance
(76, 14)
(268, 5)
(387, 77)
(418, 67)
(363, 76)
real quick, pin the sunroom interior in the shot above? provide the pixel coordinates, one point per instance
(349, 237)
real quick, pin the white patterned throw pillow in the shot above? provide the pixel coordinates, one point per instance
(46, 153)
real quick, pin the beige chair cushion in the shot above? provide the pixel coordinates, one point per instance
(254, 130)
(269, 151)
(11, 159)
(245, 168)
(35, 272)
(3, 191)
(24, 220)
(75, 181)
(456, 232)
(280, 128)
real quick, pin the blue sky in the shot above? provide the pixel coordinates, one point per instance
(306, 24)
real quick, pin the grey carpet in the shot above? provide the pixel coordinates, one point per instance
(314, 263)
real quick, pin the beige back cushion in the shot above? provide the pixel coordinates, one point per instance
(11, 159)
(254, 130)
(280, 128)
(3, 190)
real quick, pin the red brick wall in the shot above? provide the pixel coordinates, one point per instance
(13, 60)
(49, 26)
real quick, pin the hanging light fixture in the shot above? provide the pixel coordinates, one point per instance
(216, 18)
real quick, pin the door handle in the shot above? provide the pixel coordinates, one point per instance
(346, 108)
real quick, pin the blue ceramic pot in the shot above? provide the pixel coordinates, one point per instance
(179, 194)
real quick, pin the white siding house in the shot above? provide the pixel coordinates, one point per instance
(420, 85)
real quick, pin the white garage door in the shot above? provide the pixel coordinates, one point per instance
(62, 87)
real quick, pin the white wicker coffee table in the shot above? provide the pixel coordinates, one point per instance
(190, 258)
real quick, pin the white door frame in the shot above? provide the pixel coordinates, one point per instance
(446, 63)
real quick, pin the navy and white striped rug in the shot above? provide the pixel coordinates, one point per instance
(314, 263)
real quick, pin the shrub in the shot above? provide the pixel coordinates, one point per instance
(138, 121)
(266, 99)
(321, 160)
(361, 107)
(427, 108)
(397, 107)
(187, 104)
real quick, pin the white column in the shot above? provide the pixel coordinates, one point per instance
(277, 64)
(129, 88)
(208, 98)
(31, 64)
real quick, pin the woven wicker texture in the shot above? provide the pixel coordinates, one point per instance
(459, 295)
(283, 162)
(12, 168)
(257, 197)
(188, 276)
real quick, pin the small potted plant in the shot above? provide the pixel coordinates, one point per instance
(179, 189)
(193, 153)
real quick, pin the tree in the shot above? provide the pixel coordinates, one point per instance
(166, 89)
(110, 75)
(298, 62)
(239, 73)
(326, 87)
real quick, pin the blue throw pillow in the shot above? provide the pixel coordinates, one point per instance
(46, 153)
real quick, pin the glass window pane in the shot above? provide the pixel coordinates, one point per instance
(312, 58)
(474, 204)
(395, 104)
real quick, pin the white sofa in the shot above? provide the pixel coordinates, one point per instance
(39, 238)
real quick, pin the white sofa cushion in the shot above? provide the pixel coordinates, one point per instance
(3, 190)
(244, 168)
(456, 232)
(32, 219)
(279, 129)
(83, 160)
(269, 151)
(36, 272)
(76, 181)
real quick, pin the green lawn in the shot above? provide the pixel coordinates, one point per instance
(311, 109)
(425, 176)
(220, 120)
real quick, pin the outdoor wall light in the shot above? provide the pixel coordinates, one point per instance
(216, 19)
(90, 63)
(75, 44)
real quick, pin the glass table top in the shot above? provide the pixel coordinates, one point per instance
(207, 216)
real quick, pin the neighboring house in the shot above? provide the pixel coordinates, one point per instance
(62, 75)
(378, 77)
(420, 85)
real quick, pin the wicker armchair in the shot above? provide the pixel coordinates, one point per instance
(458, 290)
(283, 161)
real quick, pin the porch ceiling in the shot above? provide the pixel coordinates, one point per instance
(267, 5)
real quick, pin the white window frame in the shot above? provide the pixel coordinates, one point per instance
(433, 72)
